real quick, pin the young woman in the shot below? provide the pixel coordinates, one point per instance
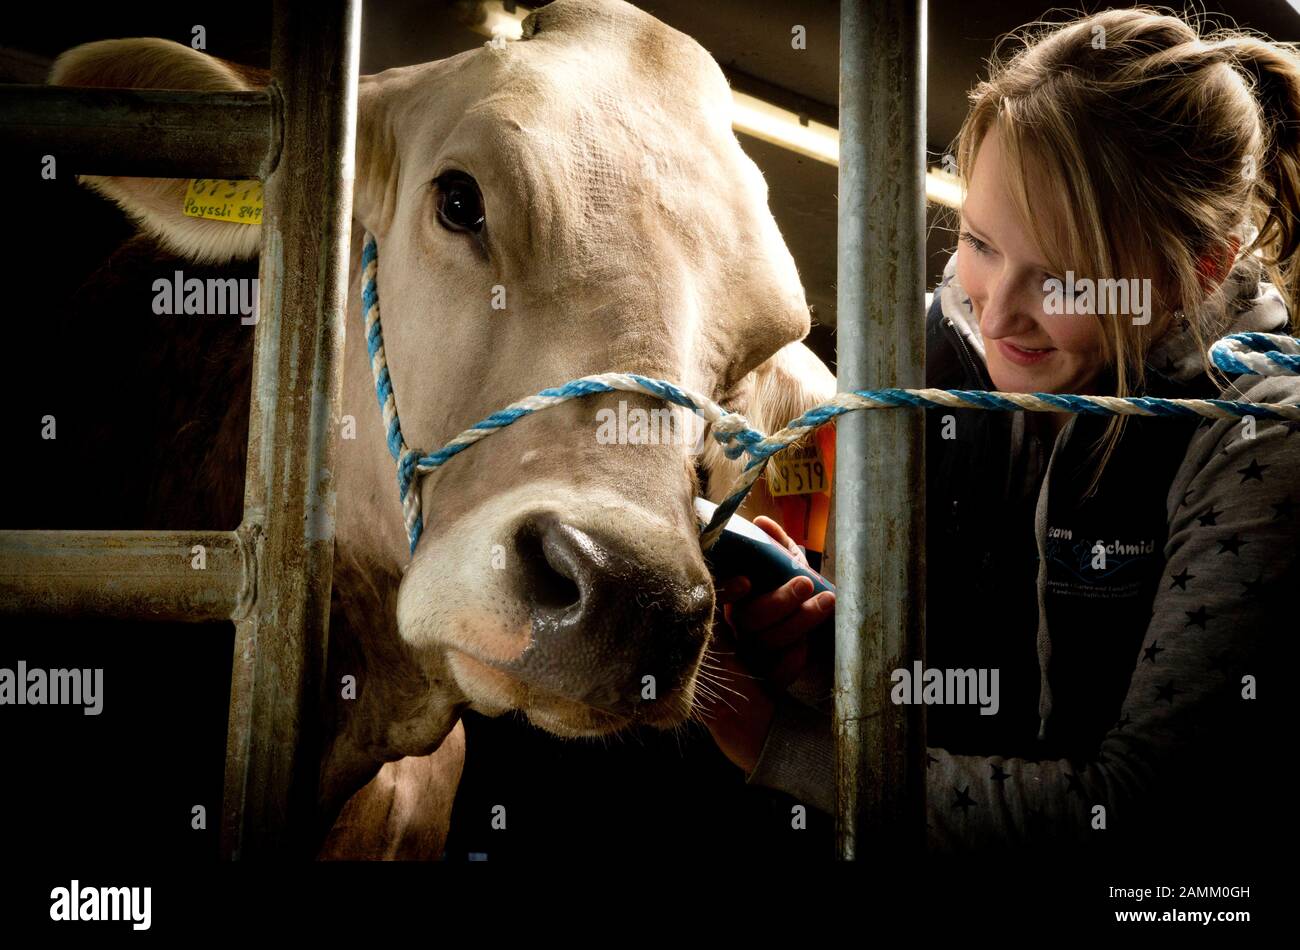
(1124, 145)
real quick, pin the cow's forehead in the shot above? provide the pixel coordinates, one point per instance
(588, 71)
(579, 105)
(617, 35)
(585, 130)
(616, 79)
(602, 154)
(592, 116)
(600, 149)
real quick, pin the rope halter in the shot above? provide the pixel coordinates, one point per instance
(1260, 354)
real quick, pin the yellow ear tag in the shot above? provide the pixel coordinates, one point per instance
(221, 199)
(799, 470)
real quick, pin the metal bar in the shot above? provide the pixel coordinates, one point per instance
(274, 736)
(880, 462)
(138, 575)
(145, 133)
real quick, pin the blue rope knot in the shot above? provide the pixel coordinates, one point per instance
(733, 432)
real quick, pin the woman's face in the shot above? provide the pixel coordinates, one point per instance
(1002, 271)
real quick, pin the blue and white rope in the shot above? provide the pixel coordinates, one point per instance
(1242, 353)
(1259, 354)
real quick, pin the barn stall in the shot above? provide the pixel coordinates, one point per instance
(102, 521)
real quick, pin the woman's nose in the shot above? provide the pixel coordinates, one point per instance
(1007, 310)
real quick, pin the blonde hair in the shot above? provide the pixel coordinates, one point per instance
(1139, 116)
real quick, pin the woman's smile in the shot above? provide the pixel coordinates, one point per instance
(1024, 355)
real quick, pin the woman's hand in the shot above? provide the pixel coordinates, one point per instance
(758, 650)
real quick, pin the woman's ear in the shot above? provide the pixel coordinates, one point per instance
(157, 204)
(1213, 267)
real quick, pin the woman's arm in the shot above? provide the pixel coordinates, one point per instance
(1230, 556)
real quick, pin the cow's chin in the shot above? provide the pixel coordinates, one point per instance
(493, 692)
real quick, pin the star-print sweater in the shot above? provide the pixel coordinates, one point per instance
(1128, 620)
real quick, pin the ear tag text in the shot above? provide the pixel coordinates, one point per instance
(221, 199)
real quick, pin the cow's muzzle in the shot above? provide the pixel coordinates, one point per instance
(611, 629)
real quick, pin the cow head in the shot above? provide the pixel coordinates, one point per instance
(572, 203)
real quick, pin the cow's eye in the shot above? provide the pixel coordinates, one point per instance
(460, 206)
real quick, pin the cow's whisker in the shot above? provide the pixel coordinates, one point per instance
(729, 689)
(716, 676)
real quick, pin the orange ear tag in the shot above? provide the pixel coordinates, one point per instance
(799, 479)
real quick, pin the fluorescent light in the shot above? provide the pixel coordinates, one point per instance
(943, 188)
(771, 123)
(782, 127)
(752, 115)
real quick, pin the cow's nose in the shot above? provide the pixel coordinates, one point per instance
(605, 616)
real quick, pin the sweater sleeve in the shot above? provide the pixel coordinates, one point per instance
(1230, 554)
(798, 756)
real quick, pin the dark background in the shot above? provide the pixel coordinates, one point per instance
(85, 347)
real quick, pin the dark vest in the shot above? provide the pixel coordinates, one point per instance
(982, 602)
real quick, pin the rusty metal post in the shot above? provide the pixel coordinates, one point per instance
(274, 737)
(138, 132)
(140, 575)
(880, 464)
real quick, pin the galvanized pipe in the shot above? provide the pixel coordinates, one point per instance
(130, 575)
(139, 132)
(880, 464)
(274, 737)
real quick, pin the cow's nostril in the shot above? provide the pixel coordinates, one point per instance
(549, 571)
(607, 617)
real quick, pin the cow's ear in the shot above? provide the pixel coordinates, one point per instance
(157, 203)
(789, 383)
(374, 193)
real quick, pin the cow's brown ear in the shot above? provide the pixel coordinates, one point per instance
(157, 203)
(789, 383)
(374, 193)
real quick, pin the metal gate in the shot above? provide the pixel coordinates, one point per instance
(880, 456)
(272, 576)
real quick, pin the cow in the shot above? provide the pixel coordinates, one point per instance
(589, 173)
